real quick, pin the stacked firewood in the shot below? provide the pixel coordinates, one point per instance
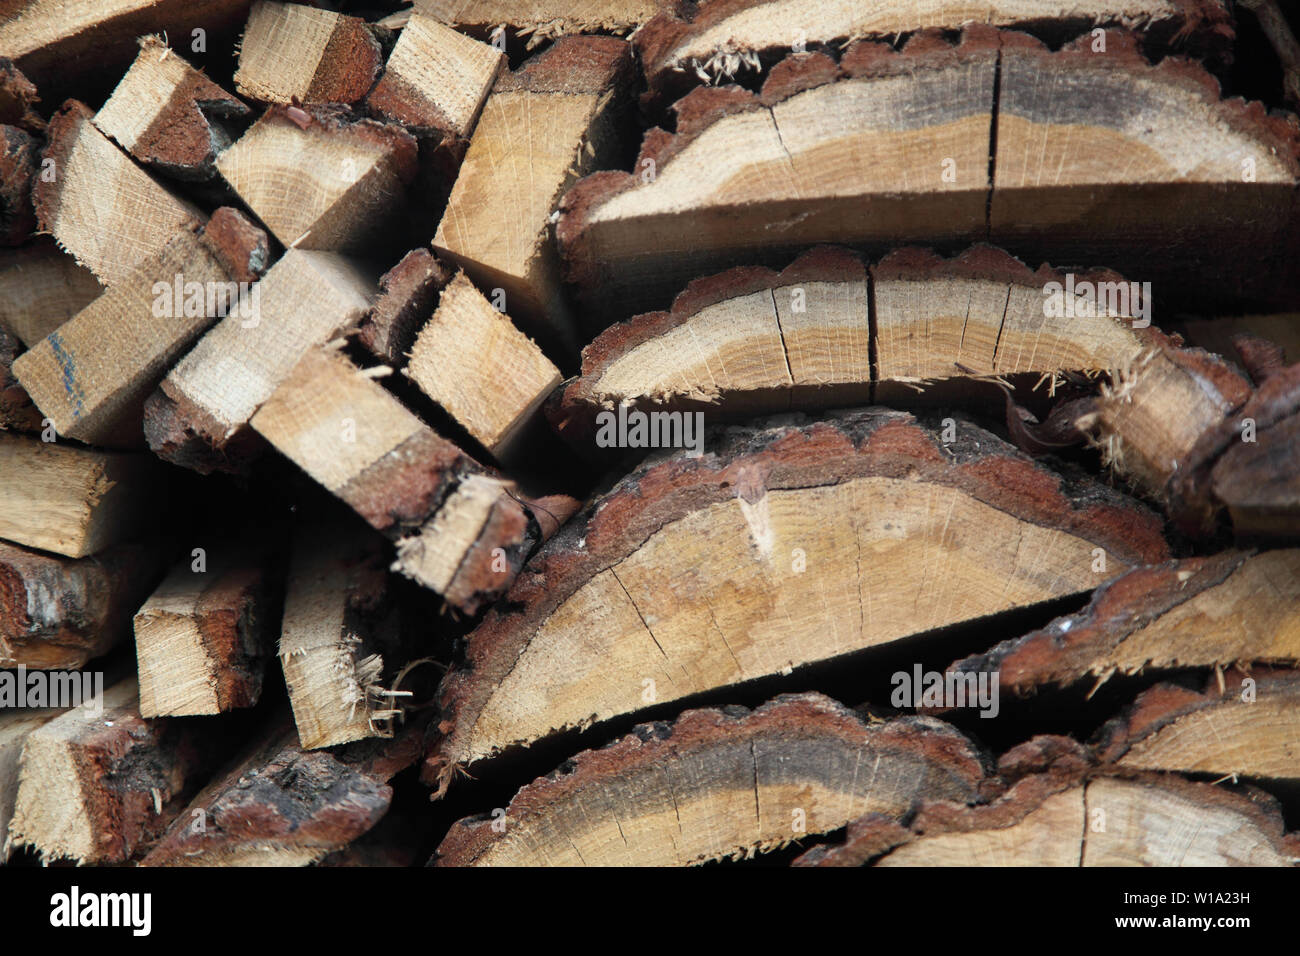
(649, 433)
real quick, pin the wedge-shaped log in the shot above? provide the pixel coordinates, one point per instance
(41, 287)
(335, 628)
(332, 182)
(58, 613)
(91, 375)
(97, 786)
(14, 727)
(203, 638)
(785, 543)
(199, 415)
(679, 49)
(168, 115)
(1196, 612)
(488, 375)
(52, 41)
(101, 206)
(278, 805)
(436, 79)
(719, 784)
(1244, 723)
(292, 53)
(545, 124)
(1052, 820)
(408, 293)
(750, 340)
(458, 528)
(883, 148)
(74, 501)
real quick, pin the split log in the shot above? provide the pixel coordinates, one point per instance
(55, 43)
(336, 625)
(1201, 179)
(542, 20)
(436, 79)
(721, 784)
(1155, 408)
(458, 528)
(41, 287)
(294, 54)
(203, 637)
(784, 544)
(14, 728)
(101, 206)
(1051, 821)
(407, 295)
(331, 183)
(552, 120)
(716, 41)
(985, 313)
(16, 409)
(752, 341)
(489, 376)
(1188, 429)
(91, 376)
(168, 115)
(74, 501)
(98, 787)
(58, 613)
(1244, 723)
(18, 167)
(199, 416)
(279, 805)
(821, 155)
(1248, 466)
(1197, 612)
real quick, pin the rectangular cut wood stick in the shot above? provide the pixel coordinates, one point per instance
(74, 501)
(15, 725)
(436, 79)
(98, 783)
(334, 628)
(459, 529)
(330, 181)
(489, 376)
(91, 376)
(101, 206)
(543, 125)
(168, 115)
(199, 415)
(58, 613)
(294, 53)
(203, 637)
(41, 287)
